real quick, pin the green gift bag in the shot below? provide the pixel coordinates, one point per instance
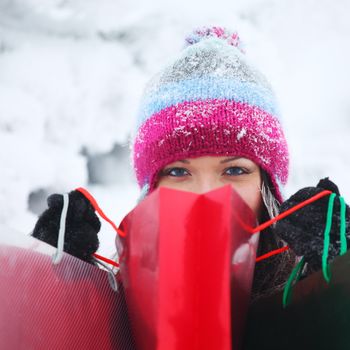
(317, 317)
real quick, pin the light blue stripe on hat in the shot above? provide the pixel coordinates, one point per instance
(196, 89)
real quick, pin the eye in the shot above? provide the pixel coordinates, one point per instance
(176, 172)
(235, 171)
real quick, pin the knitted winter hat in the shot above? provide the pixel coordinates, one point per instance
(209, 101)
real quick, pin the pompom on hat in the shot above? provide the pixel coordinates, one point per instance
(209, 102)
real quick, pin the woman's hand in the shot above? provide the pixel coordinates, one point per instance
(304, 229)
(82, 225)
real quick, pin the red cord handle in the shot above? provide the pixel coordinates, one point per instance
(271, 253)
(99, 210)
(108, 261)
(104, 216)
(290, 211)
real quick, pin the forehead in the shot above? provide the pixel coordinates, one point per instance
(213, 160)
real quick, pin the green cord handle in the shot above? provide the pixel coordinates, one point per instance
(343, 242)
(326, 241)
(294, 276)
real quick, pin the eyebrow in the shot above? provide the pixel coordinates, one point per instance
(229, 160)
(185, 161)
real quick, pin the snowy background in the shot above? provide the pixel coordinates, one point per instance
(72, 71)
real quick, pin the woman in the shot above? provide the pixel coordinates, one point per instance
(207, 119)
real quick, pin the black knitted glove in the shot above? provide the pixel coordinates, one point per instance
(82, 225)
(304, 229)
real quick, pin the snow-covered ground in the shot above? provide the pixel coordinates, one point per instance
(72, 71)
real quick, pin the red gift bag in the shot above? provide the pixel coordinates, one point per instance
(65, 306)
(187, 268)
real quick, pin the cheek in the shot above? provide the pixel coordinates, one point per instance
(252, 196)
(177, 184)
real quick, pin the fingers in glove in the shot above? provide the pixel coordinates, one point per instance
(82, 225)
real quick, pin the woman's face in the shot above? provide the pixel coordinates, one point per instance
(202, 174)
